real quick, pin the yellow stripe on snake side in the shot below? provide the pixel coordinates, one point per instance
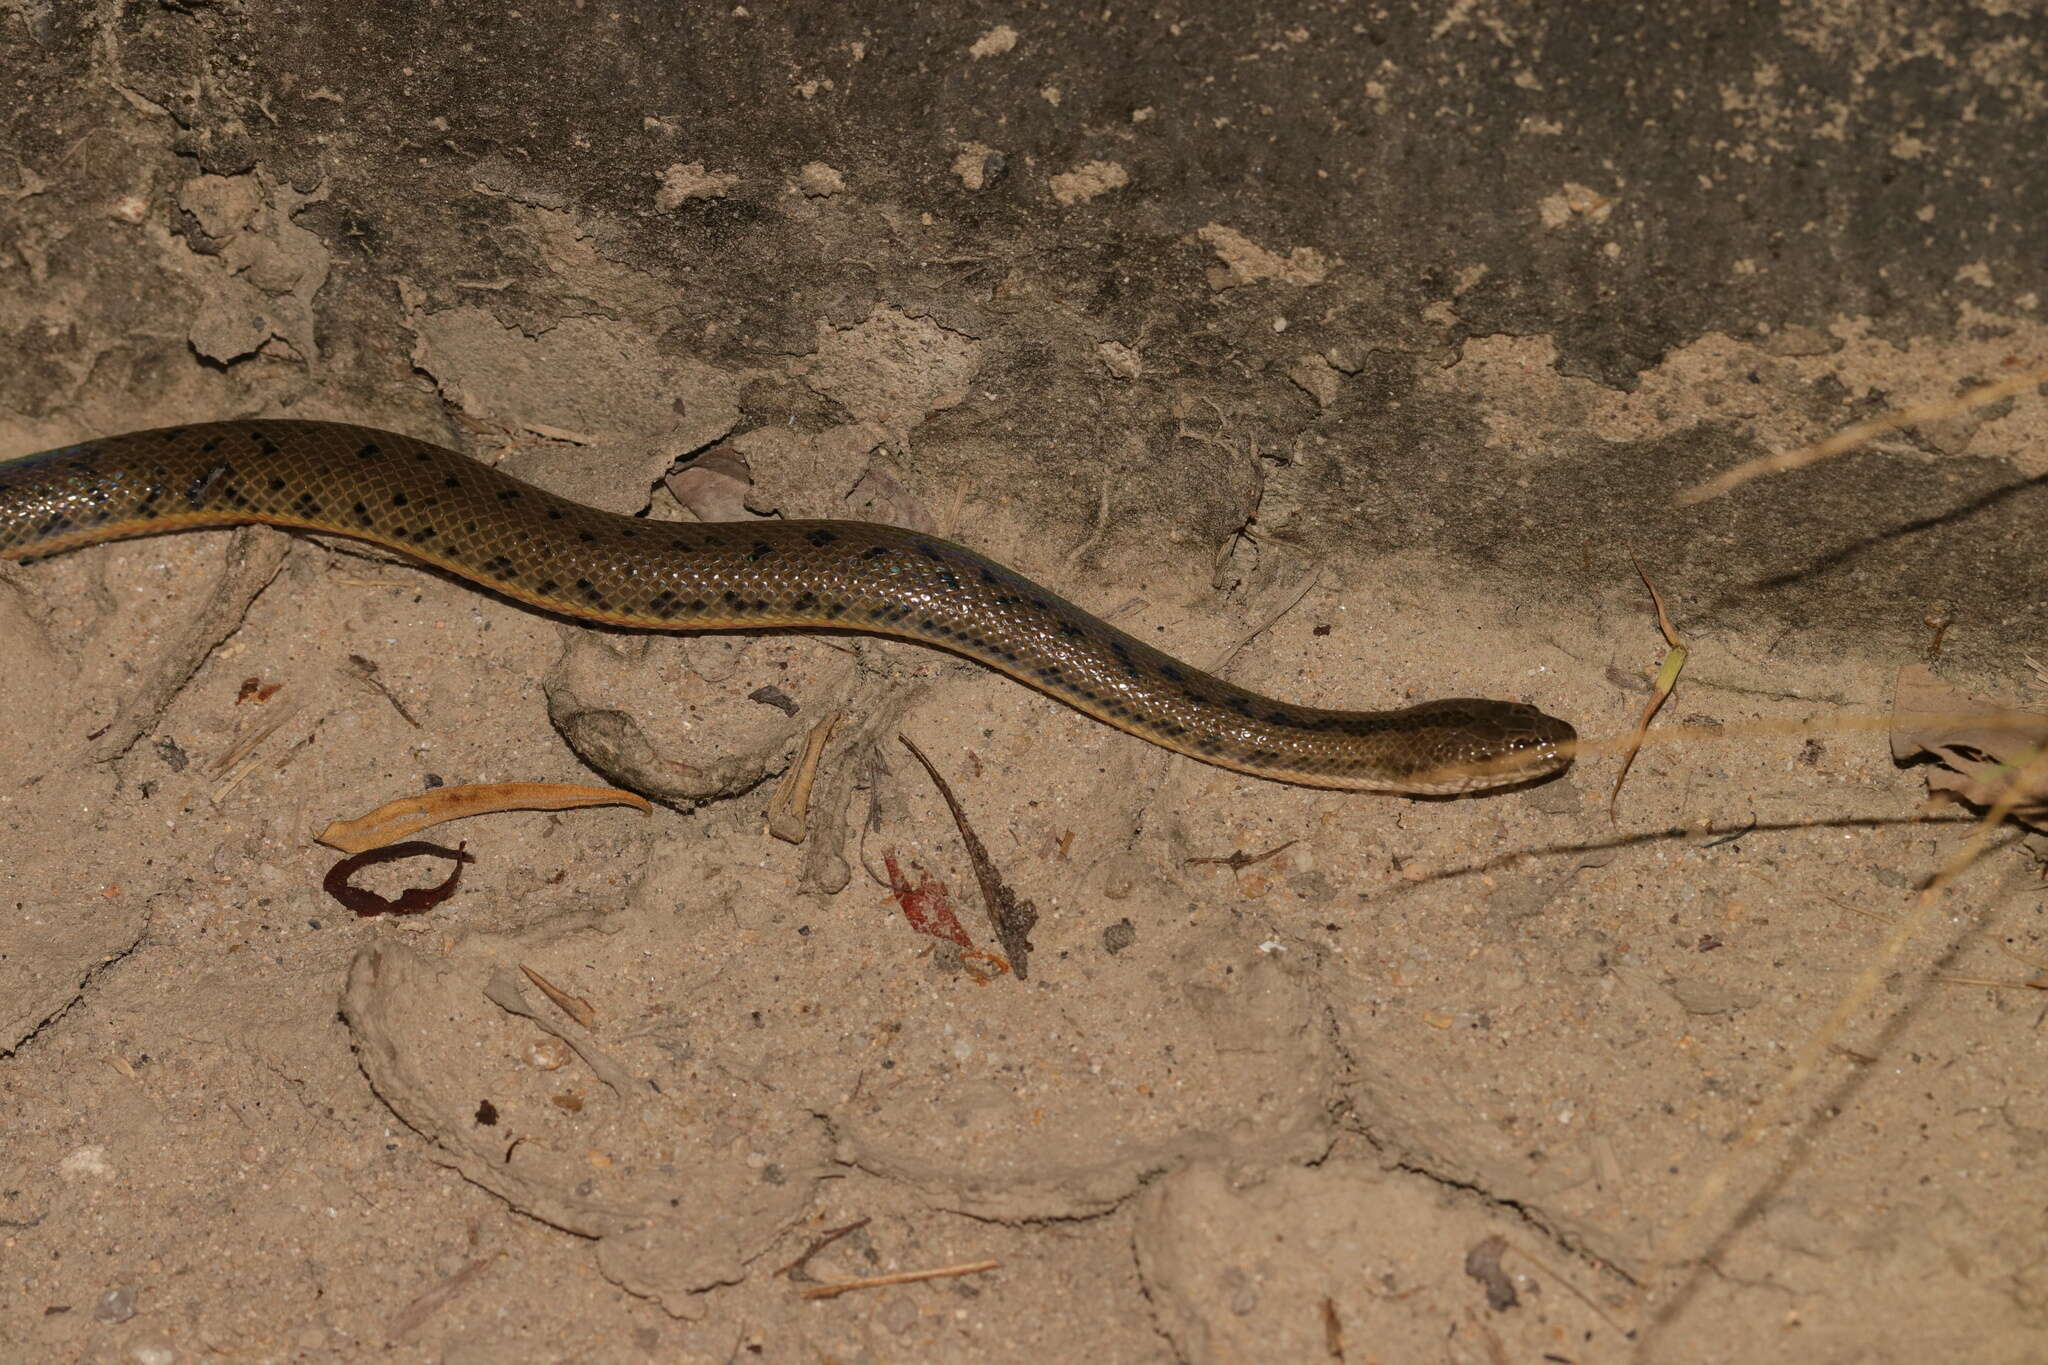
(437, 506)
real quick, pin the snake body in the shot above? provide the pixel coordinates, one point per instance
(437, 506)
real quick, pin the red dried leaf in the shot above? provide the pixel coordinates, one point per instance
(925, 905)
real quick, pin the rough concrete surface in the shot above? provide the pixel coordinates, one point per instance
(1350, 346)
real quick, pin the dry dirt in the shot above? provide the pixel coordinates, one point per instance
(1348, 349)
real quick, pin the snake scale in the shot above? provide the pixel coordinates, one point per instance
(444, 509)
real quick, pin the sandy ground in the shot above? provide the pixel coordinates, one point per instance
(1295, 1075)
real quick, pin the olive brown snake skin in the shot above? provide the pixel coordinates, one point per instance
(434, 505)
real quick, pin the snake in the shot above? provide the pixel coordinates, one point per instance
(437, 506)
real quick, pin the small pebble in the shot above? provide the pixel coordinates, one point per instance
(899, 1313)
(1119, 936)
(547, 1054)
(117, 1305)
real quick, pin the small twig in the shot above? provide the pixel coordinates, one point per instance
(502, 990)
(1074, 556)
(575, 1006)
(1667, 678)
(364, 671)
(253, 559)
(1732, 838)
(414, 1315)
(827, 1291)
(1581, 1295)
(245, 747)
(2037, 984)
(820, 1242)
(789, 810)
(1240, 860)
(1286, 602)
(1848, 439)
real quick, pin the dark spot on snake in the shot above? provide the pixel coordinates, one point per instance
(874, 552)
(761, 550)
(1239, 705)
(511, 494)
(1069, 630)
(590, 592)
(264, 443)
(210, 446)
(498, 566)
(57, 523)
(202, 484)
(555, 514)
(836, 610)
(950, 579)
(663, 604)
(1171, 674)
(586, 537)
(424, 534)
(931, 552)
(547, 587)
(423, 456)
(821, 538)
(804, 602)
(451, 482)
(679, 545)
(735, 601)
(399, 500)
(988, 576)
(363, 514)
(276, 484)
(370, 452)
(629, 533)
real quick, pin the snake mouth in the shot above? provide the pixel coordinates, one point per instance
(1534, 743)
(1554, 740)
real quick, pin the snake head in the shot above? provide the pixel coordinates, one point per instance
(1469, 744)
